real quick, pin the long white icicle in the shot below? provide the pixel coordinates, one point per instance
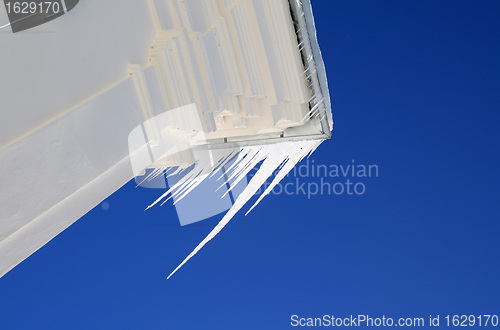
(286, 155)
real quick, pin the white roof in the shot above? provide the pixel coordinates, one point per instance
(79, 85)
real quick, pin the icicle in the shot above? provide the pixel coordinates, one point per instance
(285, 155)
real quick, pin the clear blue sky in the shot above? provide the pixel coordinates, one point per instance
(415, 90)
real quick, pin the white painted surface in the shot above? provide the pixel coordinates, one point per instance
(78, 85)
(57, 174)
(50, 69)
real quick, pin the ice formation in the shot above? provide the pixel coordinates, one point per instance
(226, 84)
(280, 157)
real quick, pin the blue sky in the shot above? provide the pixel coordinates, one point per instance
(415, 90)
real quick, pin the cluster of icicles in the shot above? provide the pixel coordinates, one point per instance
(277, 158)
